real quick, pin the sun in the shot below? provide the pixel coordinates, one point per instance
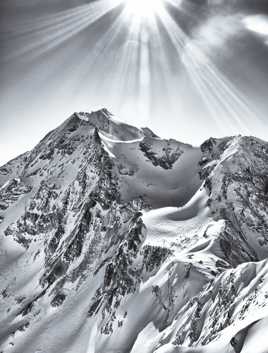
(144, 9)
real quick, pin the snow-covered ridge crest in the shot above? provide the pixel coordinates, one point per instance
(115, 240)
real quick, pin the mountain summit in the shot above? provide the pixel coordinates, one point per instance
(113, 240)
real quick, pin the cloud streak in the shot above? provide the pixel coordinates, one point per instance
(258, 24)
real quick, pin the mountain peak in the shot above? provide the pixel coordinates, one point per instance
(94, 117)
(100, 113)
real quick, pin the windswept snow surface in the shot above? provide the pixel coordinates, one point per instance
(139, 177)
(113, 240)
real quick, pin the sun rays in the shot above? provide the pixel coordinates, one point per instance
(128, 47)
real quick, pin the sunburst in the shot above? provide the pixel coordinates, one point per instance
(144, 10)
(131, 74)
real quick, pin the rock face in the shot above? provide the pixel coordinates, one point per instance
(113, 240)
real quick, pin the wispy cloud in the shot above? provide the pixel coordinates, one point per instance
(257, 24)
(217, 31)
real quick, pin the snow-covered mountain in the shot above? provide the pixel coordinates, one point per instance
(113, 240)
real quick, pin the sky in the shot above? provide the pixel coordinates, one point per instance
(188, 69)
